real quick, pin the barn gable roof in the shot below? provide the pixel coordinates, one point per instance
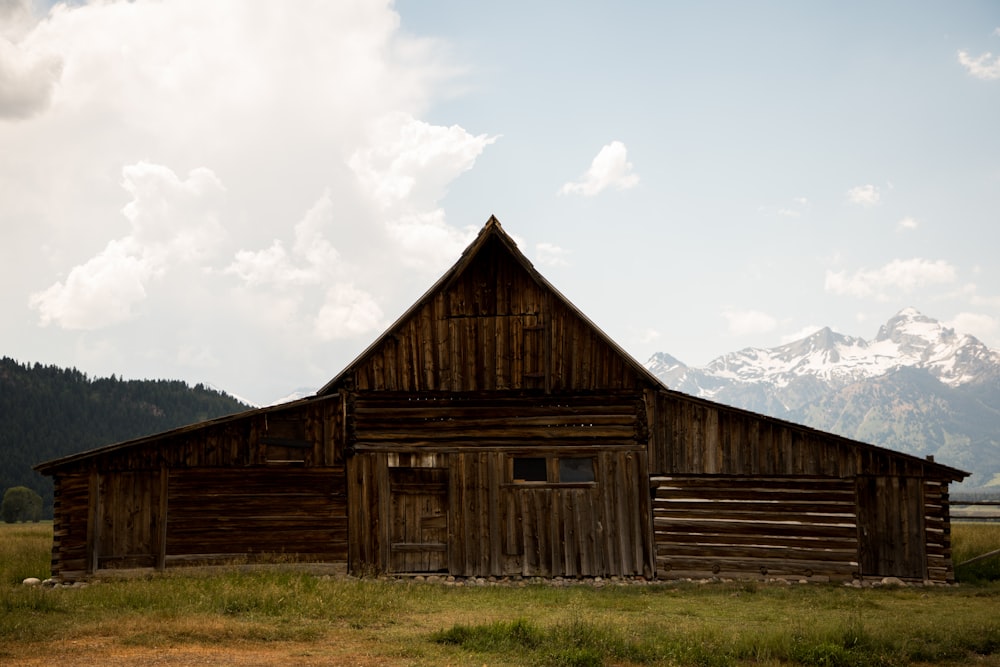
(491, 232)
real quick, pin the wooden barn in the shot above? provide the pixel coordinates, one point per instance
(493, 430)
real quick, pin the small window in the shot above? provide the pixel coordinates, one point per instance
(569, 470)
(576, 470)
(530, 470)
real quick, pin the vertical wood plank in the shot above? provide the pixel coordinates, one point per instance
(94, 518)
(162, 518)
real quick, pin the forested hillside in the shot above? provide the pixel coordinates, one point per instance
(47, 412)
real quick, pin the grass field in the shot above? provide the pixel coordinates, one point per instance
(286, 618)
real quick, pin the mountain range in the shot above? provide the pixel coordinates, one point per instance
(917, 387)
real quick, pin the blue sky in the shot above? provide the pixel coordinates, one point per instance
(247, 194)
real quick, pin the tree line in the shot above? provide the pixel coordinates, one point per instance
(47, 412)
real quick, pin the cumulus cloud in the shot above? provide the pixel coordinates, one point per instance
(984, 327)
(311, 118)
(548, 254)
(99, 293)
(29, 69)
(648, 335)
(408, 160)
(907, 224)
(864, 195)
(424, 241)
(347, 312)
(903, 275)
(984, 66)
(404, 167)
(312, 259)
(744, 322)
(610, 168)
(173, 222)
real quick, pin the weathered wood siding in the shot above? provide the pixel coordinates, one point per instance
(221, 514)
(129, 522)
(899, 510)
(891, 522)
(937, 517)
(695, 436)
(765, 526)
(70, 525)
(394, 421)
(496, 526)
(494, 327)
(270, 481)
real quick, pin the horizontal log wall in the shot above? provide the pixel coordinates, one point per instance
(494, 327)
(940, 567)
(218, 514)
(734, 527)
(69, 525)
(396, 421)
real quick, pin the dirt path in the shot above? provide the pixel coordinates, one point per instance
(107, 652)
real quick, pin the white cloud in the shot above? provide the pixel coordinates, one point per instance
(312, 260)
(426, 242)
(985, 66)
(864, 195)
(610, 168)
(984, 327)
(408, 160)
(793, 209)
(904, 275)
(907, 223)
(311, 118)
(548, 254)
(173, 222)
(348, 312)
(744, 322)
(648, 335)
(27, 80)
(29, 69)
(99, 293)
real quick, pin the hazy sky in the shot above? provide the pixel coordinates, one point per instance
(247, 193)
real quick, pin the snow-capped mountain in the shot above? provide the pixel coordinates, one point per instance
(918, 387)
(301, 392)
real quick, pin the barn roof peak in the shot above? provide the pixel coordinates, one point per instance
(491, 231)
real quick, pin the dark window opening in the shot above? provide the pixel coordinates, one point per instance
(530, 470)
(576, 470)
(568, 470)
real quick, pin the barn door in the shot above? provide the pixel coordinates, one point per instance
(418, 519)
(126, 531)
(891, 539)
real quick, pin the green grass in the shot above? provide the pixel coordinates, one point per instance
(970, 539)
(25, 551)
(719, 624)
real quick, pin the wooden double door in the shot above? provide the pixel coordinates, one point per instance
(418, 519)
